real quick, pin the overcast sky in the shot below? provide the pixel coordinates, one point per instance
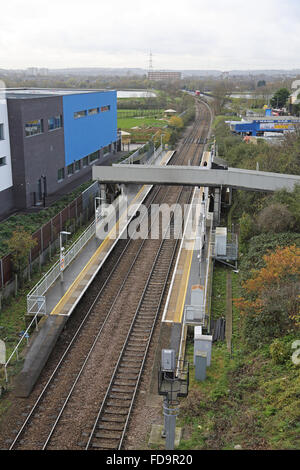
(185, 34)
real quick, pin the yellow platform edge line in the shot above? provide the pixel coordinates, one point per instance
(99, 249)
(180, 310)
(97, 252)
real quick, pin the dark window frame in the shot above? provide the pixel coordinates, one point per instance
(40, 124)
(77, 163)
(97, 110)
(63, 174)
(70, 167)
(80, 114)
(56, 118)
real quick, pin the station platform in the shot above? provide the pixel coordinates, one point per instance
(191, 269)
(62, 297)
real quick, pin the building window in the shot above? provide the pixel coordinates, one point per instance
(85, 161)
(77, 165)
(34, 127)
(93, 111)
(1, 132)
(106, 150)
(55, 122)
(105, 108)
(79, 114)
(60, 174)
(70, 169)
(94, 156)
(2, 161)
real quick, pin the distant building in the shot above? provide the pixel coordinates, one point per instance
(164, 76)
(35, 71)
(258, 127)
(50, 138)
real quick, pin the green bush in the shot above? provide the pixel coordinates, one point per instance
(280, 352)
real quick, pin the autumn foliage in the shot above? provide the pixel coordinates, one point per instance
(272, 294)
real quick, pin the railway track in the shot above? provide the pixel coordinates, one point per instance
(135, 287)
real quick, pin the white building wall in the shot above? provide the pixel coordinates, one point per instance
(5, 170)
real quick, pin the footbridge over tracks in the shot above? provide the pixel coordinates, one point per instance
(195, 176)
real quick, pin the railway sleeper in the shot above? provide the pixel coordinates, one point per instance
(112, 403)
(117, 397)
(118, 410)
(128, 395)
(130, 354)
(117, 414)
(123, 384)
(124, 378)
(100, 435)
(110, 427)
(148, 313)
(136, 343)
(105, 446)
(141, 326)
(127, 375)
(129, 368)
(134, 351)
(113, 419)
(139, 335)
(141, 330)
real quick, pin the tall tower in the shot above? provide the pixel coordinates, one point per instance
(150, 69)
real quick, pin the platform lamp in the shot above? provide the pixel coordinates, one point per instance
(101, 200)
(161, 143)
(62, 256)
(173, 383)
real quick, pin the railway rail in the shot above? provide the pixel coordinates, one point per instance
(106, 353)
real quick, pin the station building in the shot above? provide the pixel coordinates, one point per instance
(49, 138)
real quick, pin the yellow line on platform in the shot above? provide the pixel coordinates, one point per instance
(183, 288)
(67, 295)
(97, 253)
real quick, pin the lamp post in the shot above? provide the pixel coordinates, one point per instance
(161, 143)
(97, 198)
(62, 257)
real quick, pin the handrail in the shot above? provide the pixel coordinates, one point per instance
(25, 335)
(50, 277)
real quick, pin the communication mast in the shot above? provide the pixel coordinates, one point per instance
(150, 70)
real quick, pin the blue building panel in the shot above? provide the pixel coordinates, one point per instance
(90, 123)
(259, 126)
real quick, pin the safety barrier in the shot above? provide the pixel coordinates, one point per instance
(36, 295)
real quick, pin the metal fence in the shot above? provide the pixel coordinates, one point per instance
(144, 157)
(37, 295)
(49, 232)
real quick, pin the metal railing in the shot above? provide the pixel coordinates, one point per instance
(135, 156)
(208, 277)
(24, 336)
(35, 295)
(36, 300)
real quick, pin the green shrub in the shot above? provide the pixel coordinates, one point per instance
(280, 352)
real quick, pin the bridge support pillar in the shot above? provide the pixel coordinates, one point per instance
(217, 206)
